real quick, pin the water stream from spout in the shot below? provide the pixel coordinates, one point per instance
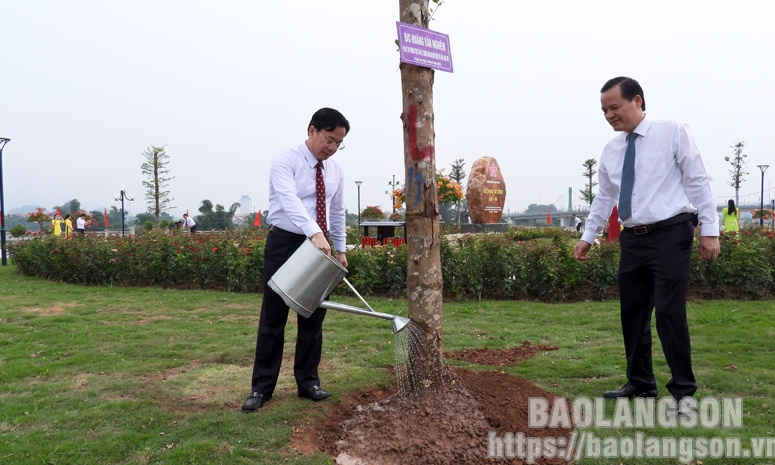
(417, 374)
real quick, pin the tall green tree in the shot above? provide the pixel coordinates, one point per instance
(68, 207)
(541, 208)
(142, 218)
(737, 171)
(99, 219)
(217, 218)
(157, 174)
(458, 174)
(587, 194)
(114, 217)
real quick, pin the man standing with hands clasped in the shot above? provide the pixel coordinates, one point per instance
(654, 172)
(306, 200)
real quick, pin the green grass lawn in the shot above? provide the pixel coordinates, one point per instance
(95, 375)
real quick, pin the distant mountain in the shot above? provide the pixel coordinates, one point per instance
(24, 209)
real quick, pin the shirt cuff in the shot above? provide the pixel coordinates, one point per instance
(589, 236)
(709, 229)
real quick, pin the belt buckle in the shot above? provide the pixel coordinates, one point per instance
(640, 230)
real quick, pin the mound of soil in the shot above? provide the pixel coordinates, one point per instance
(450, 427)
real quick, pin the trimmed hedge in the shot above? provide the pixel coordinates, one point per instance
(231, 261)
(530, 264)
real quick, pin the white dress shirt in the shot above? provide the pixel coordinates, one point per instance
(670, 179)
(292, 196)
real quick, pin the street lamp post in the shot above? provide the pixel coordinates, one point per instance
(358, 183)
(393, 185)
(122, 197)
(3, 141)
(761, 211)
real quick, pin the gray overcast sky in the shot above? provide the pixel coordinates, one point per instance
(88, 85)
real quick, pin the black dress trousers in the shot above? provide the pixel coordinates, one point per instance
(271, 328)
(654, 273)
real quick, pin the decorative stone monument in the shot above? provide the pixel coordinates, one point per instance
(486, 196)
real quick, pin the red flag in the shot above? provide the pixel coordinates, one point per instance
(549, 218)
(106, 218)
(58, 214)
(257, 221)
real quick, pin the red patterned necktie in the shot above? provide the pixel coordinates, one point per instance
(320, 204)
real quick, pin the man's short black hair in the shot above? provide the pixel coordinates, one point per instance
(328, 119)
(630, 88)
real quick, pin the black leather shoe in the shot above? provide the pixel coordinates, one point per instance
(629, 391)
(255, 402)
(315, 393)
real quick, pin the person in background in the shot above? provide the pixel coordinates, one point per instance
(174, 226)
(306, 202)
(577, 222)
(56, 224)
(730, 216)
(189, 223)
(655, 175)
(80, 224)
(68, 226)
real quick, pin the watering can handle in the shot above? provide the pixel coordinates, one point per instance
(359, 296)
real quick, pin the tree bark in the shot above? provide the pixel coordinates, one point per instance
(424, 279)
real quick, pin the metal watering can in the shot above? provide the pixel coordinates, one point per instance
(309, 276)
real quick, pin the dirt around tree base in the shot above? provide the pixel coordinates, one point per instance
(499, 357)
(449, 427)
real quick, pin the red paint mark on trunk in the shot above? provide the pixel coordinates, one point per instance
(416, 152)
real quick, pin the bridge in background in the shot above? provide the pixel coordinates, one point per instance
(565, 218)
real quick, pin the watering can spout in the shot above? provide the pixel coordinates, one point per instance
(399, 323)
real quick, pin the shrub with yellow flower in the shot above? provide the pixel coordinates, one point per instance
(448, 190)
(398, 197)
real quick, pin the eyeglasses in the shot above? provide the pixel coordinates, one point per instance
(338, 145)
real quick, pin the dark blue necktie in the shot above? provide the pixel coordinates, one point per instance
(628, 178)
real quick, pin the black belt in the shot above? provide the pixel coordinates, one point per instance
(287, 234)
(650, 228)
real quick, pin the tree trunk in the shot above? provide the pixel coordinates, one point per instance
(423, 275)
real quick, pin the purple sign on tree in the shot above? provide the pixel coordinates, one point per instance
(423, 47)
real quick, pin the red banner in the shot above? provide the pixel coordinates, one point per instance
(613, 225)
(106, 218)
